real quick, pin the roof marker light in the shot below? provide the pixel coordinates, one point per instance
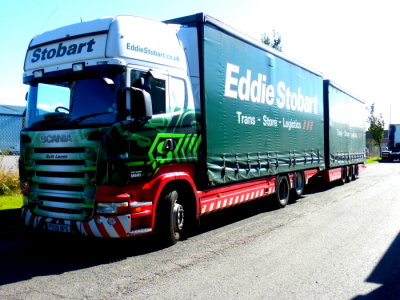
(38, 73)
(77, 67)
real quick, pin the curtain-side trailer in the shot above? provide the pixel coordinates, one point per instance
(344, 134)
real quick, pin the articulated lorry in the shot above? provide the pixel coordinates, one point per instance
(393, 147)
(136, 126)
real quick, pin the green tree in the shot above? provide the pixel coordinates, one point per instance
(274, 42)
(376, 126)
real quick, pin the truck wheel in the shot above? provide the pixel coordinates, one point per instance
(299, 184)
(282, 189)
(353, 172)
(171, 217)
(349, 173)
(344, 176)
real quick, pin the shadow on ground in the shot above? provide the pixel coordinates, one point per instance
(26, 254)
(387, 273)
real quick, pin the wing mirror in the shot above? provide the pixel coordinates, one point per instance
(141, 104)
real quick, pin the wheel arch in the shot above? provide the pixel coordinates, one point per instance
(179, 181)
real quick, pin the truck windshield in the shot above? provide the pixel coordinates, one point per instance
(74, 102)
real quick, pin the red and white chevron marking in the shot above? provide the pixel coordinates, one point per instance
(99, 226)
(221, 199)
(334, 174)
(108, 227)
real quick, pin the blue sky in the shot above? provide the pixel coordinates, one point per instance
(352, 42)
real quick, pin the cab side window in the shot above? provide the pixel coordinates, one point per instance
(155, 87)
(178, 95)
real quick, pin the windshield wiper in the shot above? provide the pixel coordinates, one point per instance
(80, 119)
(51, 119)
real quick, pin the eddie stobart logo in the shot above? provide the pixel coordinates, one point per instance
(153, 52)
(55, 138)
(61, 49)
(257, 90)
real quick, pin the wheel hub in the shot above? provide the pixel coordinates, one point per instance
(178, 217)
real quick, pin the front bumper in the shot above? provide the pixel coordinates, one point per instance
(116, 226)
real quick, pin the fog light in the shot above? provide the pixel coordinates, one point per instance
(111, 221)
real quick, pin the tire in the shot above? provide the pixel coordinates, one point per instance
(354, 170)
(299, 184)
(355, 174)
(344, 176)
(349, 173)
(282, 189)
(171, 218)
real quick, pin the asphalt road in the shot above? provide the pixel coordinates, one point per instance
(338, 242)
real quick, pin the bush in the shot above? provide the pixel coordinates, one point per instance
(9, 184)
(5, 152)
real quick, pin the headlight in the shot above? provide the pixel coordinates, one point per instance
(112, 207)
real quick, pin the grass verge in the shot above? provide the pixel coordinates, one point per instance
(10, 202)
(10, 191)
(373, 160)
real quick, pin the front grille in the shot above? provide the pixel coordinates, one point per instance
(63, 181)
(57, 199)
(61, 174)
(60, 187)
(60, 210)
(60, 162)
(61, 150)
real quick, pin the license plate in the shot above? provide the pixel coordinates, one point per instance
(59, 227)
